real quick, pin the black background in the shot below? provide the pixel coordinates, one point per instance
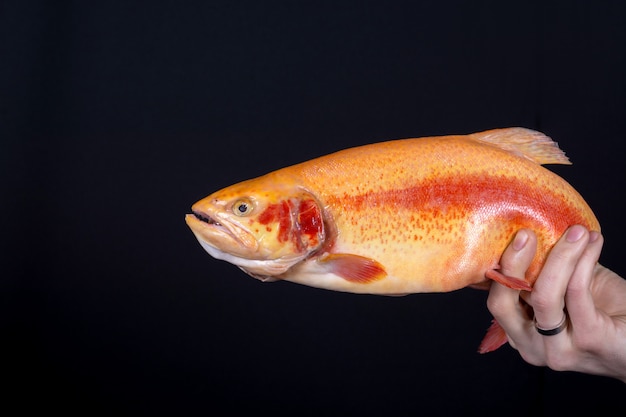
(118, 115)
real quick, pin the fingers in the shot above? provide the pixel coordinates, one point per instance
(566, 281)
(519, 254)
(548, 295)
(578, 297)
(503, 302)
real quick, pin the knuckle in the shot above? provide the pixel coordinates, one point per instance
(497, 306)
(559, 255)
(587, 343)
(532, 358)
(543, 300)
(577, 288)
(558, 362)
(565, 255)
(561, 359)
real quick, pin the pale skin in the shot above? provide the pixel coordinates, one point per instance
(573, 281)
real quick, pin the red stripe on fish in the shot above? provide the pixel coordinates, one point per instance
(505, 198)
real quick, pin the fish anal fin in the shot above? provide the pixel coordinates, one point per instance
(526, 143)
(511, 282)
(494, 338)
(353, 268)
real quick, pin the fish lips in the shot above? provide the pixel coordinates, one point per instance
(221, 233)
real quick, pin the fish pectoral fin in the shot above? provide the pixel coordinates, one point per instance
(507, 281)
(353, 268)
(494, 338)
(526, 143)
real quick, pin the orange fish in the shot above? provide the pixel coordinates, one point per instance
(406, 216)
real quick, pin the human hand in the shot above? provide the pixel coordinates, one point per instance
(571, 283)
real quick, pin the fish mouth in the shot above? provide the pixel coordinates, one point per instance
(204, 223)
(220, 234)
(205, 218)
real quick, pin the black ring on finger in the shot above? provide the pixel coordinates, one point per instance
(551, 332)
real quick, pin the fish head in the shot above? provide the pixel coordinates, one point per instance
(260, 226)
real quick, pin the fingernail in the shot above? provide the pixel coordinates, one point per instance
(575, 233)
(593, 236)
(520, 240)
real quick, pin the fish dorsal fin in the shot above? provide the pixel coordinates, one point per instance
(526, 143)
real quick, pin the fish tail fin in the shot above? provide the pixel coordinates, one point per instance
(494, 338)
(526, 143)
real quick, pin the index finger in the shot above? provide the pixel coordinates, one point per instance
(503, 302)
(548, 295)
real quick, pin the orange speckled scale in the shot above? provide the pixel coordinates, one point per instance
(443, 208)
(415, 215)
(407, 216)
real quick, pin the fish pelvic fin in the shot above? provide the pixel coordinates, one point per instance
(353, 268)
(527, 143)
(511, 282)
(494, 338)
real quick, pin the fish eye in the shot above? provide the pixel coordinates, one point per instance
(242, 207)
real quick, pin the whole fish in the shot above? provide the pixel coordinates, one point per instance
(430, 214)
